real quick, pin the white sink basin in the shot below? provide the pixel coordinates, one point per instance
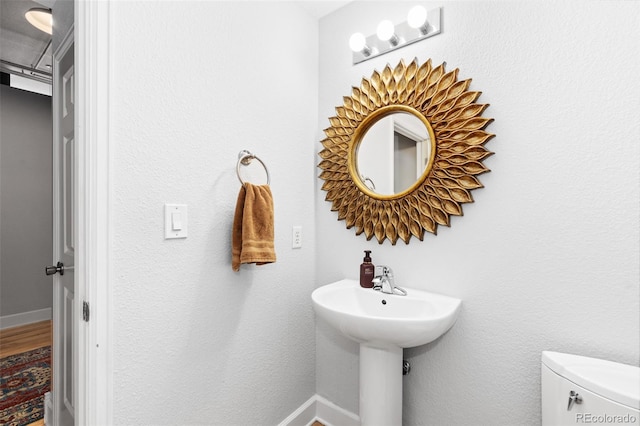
(383, 324)
(379, 319)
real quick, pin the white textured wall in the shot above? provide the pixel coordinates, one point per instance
(193, 83)
(548, 255)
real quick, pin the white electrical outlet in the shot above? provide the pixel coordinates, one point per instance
(296, 237)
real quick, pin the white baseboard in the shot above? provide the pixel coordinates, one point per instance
(24, 318)
(303, 415)
(323, 410)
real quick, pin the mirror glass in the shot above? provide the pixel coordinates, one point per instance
(393, 153)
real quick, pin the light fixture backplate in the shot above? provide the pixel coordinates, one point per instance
(405, 34)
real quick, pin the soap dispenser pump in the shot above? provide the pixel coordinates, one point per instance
(367, 271)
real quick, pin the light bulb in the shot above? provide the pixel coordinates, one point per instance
(386, 30)
(357, 42)
(417, 18)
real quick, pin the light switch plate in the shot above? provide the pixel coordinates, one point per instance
(175, 221)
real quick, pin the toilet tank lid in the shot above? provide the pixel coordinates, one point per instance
(612, 380)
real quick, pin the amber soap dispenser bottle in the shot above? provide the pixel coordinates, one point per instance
(367, 270)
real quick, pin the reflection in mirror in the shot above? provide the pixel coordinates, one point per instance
(393, 153)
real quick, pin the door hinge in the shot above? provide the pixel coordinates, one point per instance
(85, 311)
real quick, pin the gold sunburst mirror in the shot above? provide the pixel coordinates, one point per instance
(404, 151)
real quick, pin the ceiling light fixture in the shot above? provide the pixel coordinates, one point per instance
(420, 24)
(41, 19)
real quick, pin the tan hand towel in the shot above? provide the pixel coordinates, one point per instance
(252, 238)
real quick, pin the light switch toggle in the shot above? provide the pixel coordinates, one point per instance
(175, 221)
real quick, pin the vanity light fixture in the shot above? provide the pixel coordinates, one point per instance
(420, 24)
(40, 18)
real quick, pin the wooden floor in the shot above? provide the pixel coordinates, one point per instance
(25, 338)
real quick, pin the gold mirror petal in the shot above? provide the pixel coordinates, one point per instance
(456, 128)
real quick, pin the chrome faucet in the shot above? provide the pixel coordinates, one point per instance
(384, 281)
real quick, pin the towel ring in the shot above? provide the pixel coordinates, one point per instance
(245, 157)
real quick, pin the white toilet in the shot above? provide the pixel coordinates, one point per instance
(578, 390)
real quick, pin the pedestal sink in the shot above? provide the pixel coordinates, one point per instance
(383, 324)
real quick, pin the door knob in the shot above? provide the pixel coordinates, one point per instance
(51, 270)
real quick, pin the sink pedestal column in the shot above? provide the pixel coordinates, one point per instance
(380, 386)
